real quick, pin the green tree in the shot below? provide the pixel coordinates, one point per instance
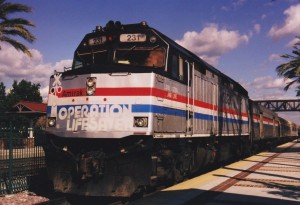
(2, 98)
(3, 108)
(12, 27)
(291, 69)
(24, 90)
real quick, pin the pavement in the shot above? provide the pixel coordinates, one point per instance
(266, 178)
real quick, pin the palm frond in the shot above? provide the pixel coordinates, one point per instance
(7, 8)
(20, 31)
(16, 21)
(298, 91)
(10, 27)
(18, 46)
(291, 70)
(289, 84)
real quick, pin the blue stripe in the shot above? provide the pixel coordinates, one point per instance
(233, 121)
(158, 110)
(142, 108)
(49, 108)
(201, 116)
(176, 112)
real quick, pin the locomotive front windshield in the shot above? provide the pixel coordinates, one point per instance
(141, 56)
(135, 50)
(95, 56)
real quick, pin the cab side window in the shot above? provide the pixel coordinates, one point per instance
(175, 66)
(179, 68)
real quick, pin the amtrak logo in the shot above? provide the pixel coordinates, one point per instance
(56, 85)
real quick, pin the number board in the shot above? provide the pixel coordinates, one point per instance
(133, 37)
(97, 41)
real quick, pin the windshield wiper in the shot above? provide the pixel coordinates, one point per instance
(128, 51)
(155, 47)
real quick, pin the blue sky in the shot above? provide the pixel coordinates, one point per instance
(242, 38)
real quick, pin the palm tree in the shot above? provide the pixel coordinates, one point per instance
(291, 69)
(12, 27)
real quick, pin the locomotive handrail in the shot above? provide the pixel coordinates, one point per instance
(120, 74)
(67, 68)
(69, 77)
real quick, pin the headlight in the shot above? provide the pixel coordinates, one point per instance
(91, 81)
(90, 91)
(51, 121)
(141, 121)
(152, 39)
(90, 86)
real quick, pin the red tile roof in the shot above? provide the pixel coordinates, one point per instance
(26, 106)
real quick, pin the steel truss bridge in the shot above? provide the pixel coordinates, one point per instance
(281, 105)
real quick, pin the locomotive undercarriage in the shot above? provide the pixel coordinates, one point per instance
(122, 167)
(99, 167)
(177, 159)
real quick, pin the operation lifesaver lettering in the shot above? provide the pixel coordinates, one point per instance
(95, 117)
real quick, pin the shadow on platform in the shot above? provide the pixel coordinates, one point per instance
(201, 197)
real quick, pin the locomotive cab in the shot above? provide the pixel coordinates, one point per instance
(135, 45)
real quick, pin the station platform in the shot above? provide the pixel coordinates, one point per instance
(266, 178)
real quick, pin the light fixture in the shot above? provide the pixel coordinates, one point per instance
(153, 39)
(141, 121)
(51, 121)
(90, 86)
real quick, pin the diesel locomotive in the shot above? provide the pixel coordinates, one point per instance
(136, 109)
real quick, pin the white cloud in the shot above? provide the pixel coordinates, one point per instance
(268, 82)
(257, 28)
(274, 57)
(293, 42)
(212, 42)
(15, 65)
(44, 93)
(268, 88)
(291, 24)
(239, 3)
(236, 4)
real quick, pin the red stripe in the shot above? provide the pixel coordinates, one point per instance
(123, 91)
(256, 117)
(142, 91)
(234, 112)
(267, 120)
